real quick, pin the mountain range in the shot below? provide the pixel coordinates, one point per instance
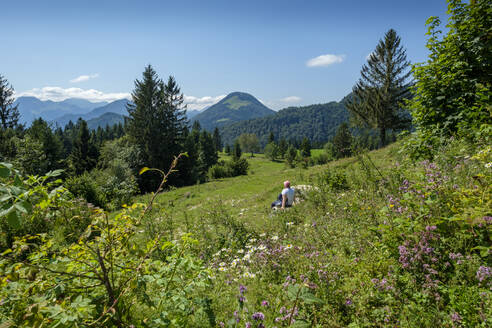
(235, 107)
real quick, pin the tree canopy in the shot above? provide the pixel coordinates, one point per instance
(383, 85)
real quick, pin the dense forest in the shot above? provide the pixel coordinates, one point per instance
(316, 122)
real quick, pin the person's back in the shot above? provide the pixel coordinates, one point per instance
(289, 193)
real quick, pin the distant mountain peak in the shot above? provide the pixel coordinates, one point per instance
(236, 106)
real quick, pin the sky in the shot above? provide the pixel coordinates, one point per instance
(284, 52)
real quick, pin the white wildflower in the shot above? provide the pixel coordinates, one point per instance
(488, 165)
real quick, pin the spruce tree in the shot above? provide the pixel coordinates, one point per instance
(378, 95)
(51, 143)
(156, 123)
(237, 151)
(217, 140)
(84, 153)
(342, 141)
(9, 114)
(305, 148)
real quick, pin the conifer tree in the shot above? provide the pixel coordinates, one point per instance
(271, 137)
(84, 153)
(305, 148)
(156, 123)
(342, 141)
(383, 86)
(237, 151)
(217, 140)
(51, 144)
(9, 114)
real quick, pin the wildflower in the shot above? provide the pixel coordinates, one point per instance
(290, 223)
(348, 302)
(430, 228)
(455, 317)
(289, 246)
(258, 316)
(242, 289)
(222, 269)
(483, 273)
(274, 238)
(236, 316)
(248, 325)
(241, 251)
(488, 165)
(265, 303)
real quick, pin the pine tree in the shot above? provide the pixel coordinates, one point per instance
(51, 144)
(237, 151)
(379, 93)
(342, 141)
(9, 114)
(282, 147)
(217, 140)
(156, 123)
(228, 149)
(271, 137)
(84, 153)
(290, 156)
(305, 148)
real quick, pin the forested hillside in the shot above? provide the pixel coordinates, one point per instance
(235, 107)
(316, 122)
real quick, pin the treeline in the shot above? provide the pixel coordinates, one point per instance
(318, 123)
(103, 165)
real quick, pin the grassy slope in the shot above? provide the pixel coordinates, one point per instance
(252, 195)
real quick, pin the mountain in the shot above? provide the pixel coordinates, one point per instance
(316, 122)
(235, 107)
(105, 119)
(31, 108)
(117, 107)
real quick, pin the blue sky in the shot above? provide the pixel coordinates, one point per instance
(96, 49)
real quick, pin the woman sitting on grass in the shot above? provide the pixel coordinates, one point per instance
(286, 197)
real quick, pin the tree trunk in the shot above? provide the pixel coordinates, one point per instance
(382, 136)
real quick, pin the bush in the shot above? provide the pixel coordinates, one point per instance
(227, 169)
(334, 179)
(109, 188)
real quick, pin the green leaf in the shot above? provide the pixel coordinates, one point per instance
(20, 208)
(13, 219)
(292, 291)
(144, 169)
(54, 173)
(311, 299)
(4, 171)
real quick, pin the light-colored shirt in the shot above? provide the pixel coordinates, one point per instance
(290, 196)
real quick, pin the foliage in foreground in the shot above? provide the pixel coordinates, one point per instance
(407, 245)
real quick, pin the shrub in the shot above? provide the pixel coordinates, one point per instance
(227, 169)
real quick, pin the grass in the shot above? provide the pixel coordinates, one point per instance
(251, 195)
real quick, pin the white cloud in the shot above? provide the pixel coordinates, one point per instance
(325, 60)
(195, 103)
(291, 99)
(83, 78)
(60, 94)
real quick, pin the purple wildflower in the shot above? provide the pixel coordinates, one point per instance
(455, 317)
(258, 316)
(265, 303)
(348, 302)
(242, 289)
(483, 273)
